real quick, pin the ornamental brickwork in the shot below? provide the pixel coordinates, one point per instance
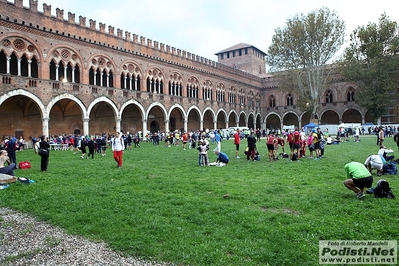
(66, 75)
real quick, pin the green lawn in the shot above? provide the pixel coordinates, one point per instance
(162, 206)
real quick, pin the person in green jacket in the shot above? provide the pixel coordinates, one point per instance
(358, 178)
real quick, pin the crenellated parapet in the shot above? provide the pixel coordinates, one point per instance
(56, 23)
(47, 10)
(59, 13)
(33, 5)
(124, 42)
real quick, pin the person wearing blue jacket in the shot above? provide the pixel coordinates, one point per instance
(11, 148)
(222, 158)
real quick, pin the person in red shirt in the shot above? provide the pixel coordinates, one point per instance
(237, 140)
(270, 143)
(281, 142)
(296, 138)
(184, 139)
(290, 139)
(71, 143)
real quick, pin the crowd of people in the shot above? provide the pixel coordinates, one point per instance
(360, 175)
(304, 143)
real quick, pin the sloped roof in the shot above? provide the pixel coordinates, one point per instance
(239, 46)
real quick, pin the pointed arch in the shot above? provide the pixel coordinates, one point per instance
(66, 65)
(131, 75)
(207, 90)
(103, 70)
(192, 87)
(220, 92)
(328, 96)
(175, 84)
(155, 80)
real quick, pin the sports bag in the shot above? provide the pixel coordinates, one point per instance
(390, 168)
(382, 190)
(43, 152)
(24, 165)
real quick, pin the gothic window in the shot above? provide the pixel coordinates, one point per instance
(3, 63)
(110, 79)
(97, 77)
(149, 84)
(104, 77)
(101, 73)
(34, 68)
(232, 95)
(290, 101)
(52, 70)
(21, 59)
(24, 66)
(130, 77)
(220, 93)
(14, 65)
(329, 97)
(251, 99)
(155, 80)
(207, 90)
(91, 76)
(350, 96)
(124, 85)
(175, 88)
(272, 101)
(192, 88)
(250, 102)
(64, 65)
(175, 84)
(241, 97)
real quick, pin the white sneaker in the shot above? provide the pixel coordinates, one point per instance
(360, 195)
(237, 157)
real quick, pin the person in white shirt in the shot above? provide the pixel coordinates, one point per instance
(374, 162)
(9, 169)
(357, 134)
(21, 143)
(383, 153)
(118, 147)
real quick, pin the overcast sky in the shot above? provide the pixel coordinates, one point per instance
(205, 27)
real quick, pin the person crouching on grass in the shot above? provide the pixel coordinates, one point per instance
(374, 162)
(221, 160)
(358, 178)
(118, 147)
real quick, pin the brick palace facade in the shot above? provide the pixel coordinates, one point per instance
(62, 75)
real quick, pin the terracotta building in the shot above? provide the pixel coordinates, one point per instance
(60, 74)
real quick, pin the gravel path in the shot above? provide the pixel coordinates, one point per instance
(26, 241)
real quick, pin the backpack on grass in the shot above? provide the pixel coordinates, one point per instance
(24, 165)
(390, 168)
(382, 190)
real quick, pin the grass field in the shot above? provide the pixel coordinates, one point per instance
(162, 206)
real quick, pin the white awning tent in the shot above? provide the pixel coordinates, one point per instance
(288, 127)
